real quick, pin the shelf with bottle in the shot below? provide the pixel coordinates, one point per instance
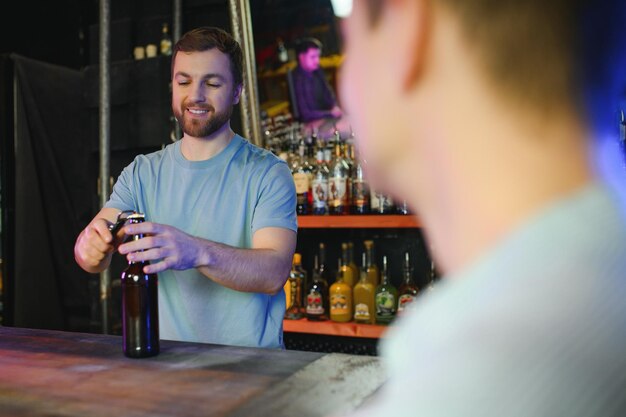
(361, 302)
(331, 188)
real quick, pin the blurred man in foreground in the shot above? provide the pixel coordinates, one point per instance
(494, 120)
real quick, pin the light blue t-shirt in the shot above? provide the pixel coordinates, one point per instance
(537, 327)
(224, 199)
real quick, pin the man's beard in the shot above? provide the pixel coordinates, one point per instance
(203, 128)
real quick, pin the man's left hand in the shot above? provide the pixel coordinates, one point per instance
(173, 248)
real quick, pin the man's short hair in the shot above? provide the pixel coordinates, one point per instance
(547, 54)
(207, 38)
(304, 44)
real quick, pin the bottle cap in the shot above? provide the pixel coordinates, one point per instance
(297, 258)
(136, 216)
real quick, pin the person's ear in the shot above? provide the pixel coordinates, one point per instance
(408, 24)
(237, 94)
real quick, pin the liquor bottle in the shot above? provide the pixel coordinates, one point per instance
(360, 190)
(340, 298)
(386, 298)
(373, 273)
(140, 306)
(309, 168)
(283, 56)
(348, 156)
(301, 178)
(349, 277)
(166, 40)
(317, 296)
(297, 276)
(328, 148)
(364, 295)
(408, 290)
(338, 183)
(381, 203)
(432, 276)
(403, 208)
(323, 266)
(320, 185)
(351, 263)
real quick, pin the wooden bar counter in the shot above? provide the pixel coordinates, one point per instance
(52, 373)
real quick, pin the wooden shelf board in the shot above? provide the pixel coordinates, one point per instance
(358, 221)
(330, 328)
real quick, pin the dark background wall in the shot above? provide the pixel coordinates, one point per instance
(49, 181)
(42, 42)
(60, 37)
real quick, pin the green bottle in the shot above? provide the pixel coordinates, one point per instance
(386, 298)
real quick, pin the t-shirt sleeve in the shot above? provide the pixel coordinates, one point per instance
(122, 197)
(276, 203)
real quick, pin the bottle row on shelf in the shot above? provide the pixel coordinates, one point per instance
(364, 295)
(328, 176)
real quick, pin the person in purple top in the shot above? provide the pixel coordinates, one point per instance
(315, 100)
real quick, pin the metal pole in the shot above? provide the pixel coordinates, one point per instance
(104, 130)
(177, 20)
(241, 24)
(177, 27)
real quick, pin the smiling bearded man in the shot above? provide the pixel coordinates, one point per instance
(221, 223)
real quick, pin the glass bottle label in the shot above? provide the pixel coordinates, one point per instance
(339, 304)
(320, 193)
(360, 193)
(385, 304)
(294, 293)
(301, 181)
(404, 301)
(288, 295)
(314, 303)
(337, 189)
(361, 312)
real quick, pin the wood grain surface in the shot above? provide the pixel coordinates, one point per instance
(51, 373)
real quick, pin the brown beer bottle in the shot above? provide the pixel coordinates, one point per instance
(140, 309)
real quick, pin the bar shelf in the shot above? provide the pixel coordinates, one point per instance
(331, 328)
(367, 221)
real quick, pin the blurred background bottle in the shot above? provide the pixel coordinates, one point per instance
(408, 290)
(364, 297)
(348, 275)
(338, 181)
(373, 273)
(317, 292)
(386, 298)
(297, 277)
(340, 297)
(165, 47)
(320, 184)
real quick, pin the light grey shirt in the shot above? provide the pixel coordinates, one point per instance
(537, 327)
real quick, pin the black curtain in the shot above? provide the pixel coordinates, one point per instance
(56, 159)
(52, 189)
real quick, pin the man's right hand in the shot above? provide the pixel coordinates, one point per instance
(95, 244)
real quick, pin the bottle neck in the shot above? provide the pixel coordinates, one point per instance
(385, 272)
(339, 278)
(344, 258)
(368, 257)
(408, 276)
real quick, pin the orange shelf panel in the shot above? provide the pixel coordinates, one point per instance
(358, 221)
(330, 328)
